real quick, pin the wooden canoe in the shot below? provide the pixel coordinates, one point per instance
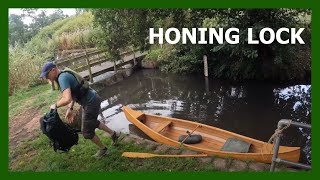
(167, 130)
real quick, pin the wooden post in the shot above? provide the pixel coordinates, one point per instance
(134, 59)
(206, 82)
(205, 63)
(115, 66)
(88, 65)
(99, 57)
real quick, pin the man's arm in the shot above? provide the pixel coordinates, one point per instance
(66, 98)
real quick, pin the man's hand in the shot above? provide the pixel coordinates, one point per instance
(53, 106)
(69, 116)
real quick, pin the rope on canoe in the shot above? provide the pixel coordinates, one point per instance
(277, 133)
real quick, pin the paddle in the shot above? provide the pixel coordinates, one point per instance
(189, 134)
(150, 155)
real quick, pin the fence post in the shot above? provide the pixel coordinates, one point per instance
(134, 59)
(115, 66)
(206, 82)
(205, 63)
(88, 65)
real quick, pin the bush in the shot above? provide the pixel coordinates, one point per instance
(173, 60)
(153, 55)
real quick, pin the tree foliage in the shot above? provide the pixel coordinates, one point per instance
(20, 32)
(17, 30)
(262, 61)
(122, 28)
(129, 27)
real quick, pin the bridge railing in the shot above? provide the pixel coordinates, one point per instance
(85, 61)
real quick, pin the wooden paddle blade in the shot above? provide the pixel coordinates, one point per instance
(150, 155)
(137, 155)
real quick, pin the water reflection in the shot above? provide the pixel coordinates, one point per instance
(252, 109)
(295, 103)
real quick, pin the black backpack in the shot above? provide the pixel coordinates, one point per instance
(62, 136)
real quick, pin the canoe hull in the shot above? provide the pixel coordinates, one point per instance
(262, 154)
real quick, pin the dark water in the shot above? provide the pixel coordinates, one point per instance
(252, 108)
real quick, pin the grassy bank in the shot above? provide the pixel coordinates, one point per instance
(37, 155)
(38, 97)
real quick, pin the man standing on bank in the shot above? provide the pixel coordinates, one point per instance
(75, 89)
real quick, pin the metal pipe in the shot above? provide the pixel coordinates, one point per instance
(284, 122)
(275, 153)
(300, 165)
(275, 159)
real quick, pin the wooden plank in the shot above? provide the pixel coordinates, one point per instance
(100, 61)
(93, 62)
(98, 58)
(84, 67)
(77, 50)
(96, 71)
(73, 59)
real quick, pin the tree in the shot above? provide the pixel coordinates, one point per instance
(56, 15)
(38, 21)
(261, 61)
(81, 10)
(29, 12)
(129, 27)
(122, 28)
(17, 29)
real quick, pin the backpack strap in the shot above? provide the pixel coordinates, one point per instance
(82, 87)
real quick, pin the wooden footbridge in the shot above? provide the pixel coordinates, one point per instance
(91, 63)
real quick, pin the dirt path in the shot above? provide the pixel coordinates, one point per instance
(23, 126)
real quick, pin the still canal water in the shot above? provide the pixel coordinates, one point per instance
(252, 108)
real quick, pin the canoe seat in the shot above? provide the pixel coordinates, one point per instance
(162, 126)
(236, 145)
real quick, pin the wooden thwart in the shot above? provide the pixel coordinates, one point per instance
(150, 155)
(162, 126)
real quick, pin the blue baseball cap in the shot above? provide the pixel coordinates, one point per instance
(46, 68)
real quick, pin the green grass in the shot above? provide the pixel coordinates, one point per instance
(38, 97)
(37, 155)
